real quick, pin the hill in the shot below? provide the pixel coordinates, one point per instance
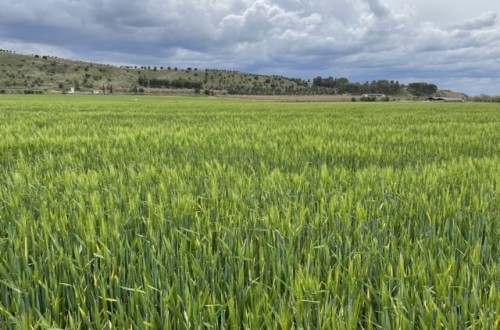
(45, 74)
(35, 73)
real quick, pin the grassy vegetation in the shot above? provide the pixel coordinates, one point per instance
(201, 213)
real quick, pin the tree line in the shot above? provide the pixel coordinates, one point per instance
(319, 85)
(343, 86)
(165, 83)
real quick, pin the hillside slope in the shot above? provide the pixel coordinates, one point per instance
(44, 74)
(51, 74)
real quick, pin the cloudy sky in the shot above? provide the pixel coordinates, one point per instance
(452, 43)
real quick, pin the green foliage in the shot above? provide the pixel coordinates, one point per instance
(486, 98)
(367, 98)
(165, 83)
(343, 86)
(135, 212)
(422, 89)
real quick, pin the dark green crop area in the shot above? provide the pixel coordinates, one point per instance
(176, 213)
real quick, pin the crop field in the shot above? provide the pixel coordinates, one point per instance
(199, 213)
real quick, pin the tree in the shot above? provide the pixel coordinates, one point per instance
(422, 89)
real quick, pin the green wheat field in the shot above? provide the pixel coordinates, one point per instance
(198, 213)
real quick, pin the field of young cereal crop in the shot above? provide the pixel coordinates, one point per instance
(199, 213)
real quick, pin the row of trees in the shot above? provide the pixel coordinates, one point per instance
(319, 85)
(486, 98)
(422, 89)
(343, 86)
(165, 83)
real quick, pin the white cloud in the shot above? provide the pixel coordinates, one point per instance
(486, 20)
